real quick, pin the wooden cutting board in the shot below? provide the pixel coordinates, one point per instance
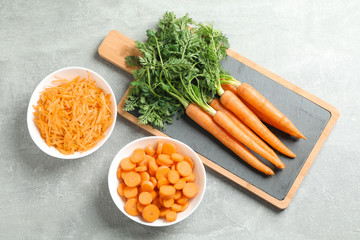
(314, 118)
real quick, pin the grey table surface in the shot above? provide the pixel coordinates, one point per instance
(313, 44)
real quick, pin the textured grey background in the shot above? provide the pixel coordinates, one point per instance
(314, 44)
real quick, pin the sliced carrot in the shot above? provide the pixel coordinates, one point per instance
(190, 178)
(130, 192)
(145, 176)
(171, 216)
(140, 207)
(177, 194)
(118, 174)
(233, 103)
(162, 172)
(127, 165)
(173, 167)
(163, 211)
(145, 162)
(120, 189)
(160, 163)
(131, 206)
(162, 181)
(190, 162)
(168, 202)
(153, 165)
(147, 186)
(185, 206)
(176, 207)
(123, 173)
(177, 157)
(156, 202)
(153, 194)
(165, 159)
(141, 169)
(137, 155)
(154, 181)
(184, 168)
(180, 184)
(167, 191)
(168, 148)
(150, 150)
(151, 213)
(159, 147)
(132, 179)
(173, 176)
(190, 190)
(182, 200)
(145, 198)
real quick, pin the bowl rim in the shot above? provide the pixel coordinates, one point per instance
(30, 110)
(137, 219)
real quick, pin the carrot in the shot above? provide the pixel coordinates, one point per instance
(151, 213)
(177, 194)
(145, 162)
(131, 207)
(206, 121)
(120, 189)
(225, 121)
(164, 158)
(137, 155)
(140, 169)
(153, 165)
(132, 179)
(269, 112)
(159, 147)
(127, 165)
(185, 206)
(180, 184)
(176, 207)
(163, 211)
(189, 161)
(168, 202)
(154, 181)
(162, 172)
(184, 168)
(182, 200)
(167, 191)
(118, 174)
(171, 216)
(168, 148)
(147, 186)
(145, 198)
(173, 176)
(156, 202)
(173, 167)
(216, 104)
(150, 150)
(145, 176)
(140, 207)
(190, 190)
(190, 178)
(153, 194)
(177, 157)
(162, 181)
(130, 192)
(234, 104)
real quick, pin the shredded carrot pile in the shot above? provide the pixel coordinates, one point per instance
(74, 115)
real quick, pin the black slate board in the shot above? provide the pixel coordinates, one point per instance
(309, 118)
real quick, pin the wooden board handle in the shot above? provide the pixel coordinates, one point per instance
(116, 47)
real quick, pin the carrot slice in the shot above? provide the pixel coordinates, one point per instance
(118, 174)
(151, 213)
(171, 216)
(162, 181)
(182, 200)
(173, 167)
(184, 168)
(190, 178)
(120, 189)
(156, 202)
(180, 184)
(176, 207)
(165, 159)
(145, 176)
(140, 207)
(150, 150)
(177, 157)
(177, 194)
(131, 207)
(132, 179)
(137, 155)
(130, 192)
(154, 181)
(168, 202)
(185, 206)
(168, 148)
(167, 191)
(163, 211)
(127, 165)
(190, 162)
(147, 186)
(145, 198)
(162, 172)
(141, 169)
(190, 190)
(159, 147)
(153, 165)
(145, 162)
(153, 194)
(173, 176)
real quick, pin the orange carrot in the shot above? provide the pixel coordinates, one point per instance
(177, 157)
(176, 207)
(190, 178)
(184, 168)
(216, 104)
(151, 213)
(145, 176)
(168, 148)
(168, 202)
(159, 147)
(171, 216)
(190, 162)
(162, 172)
(167, 191)
(127, 165)
(234, 104)
(207, 122)
(120, 189)
(269, 112)
(132, 179)
(131, 207)
(147, 186)
(162, 181)
(130, 192)
(185, 206)
(180, 184)
(173, 176)
(150, 150)
(137, 155)
(190, 190)
(145, 198)
(224, 121)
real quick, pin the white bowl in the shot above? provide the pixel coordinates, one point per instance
(199, 170)
(68, 73)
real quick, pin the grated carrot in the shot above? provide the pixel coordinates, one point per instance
(74, 115)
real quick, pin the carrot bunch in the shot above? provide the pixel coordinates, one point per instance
(156, 182)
